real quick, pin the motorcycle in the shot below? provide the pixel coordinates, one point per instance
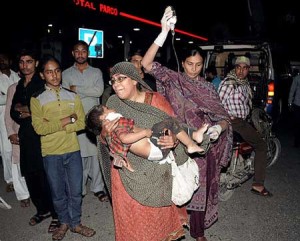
(241, 166)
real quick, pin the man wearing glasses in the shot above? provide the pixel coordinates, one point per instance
(236, 96)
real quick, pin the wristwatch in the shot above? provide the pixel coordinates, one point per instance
(72, 120)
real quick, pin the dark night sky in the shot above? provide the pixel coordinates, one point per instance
(224, 20)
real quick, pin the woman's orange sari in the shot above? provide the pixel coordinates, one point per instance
(136, 222)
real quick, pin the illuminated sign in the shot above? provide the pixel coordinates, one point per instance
(94, 38)
(85, 4)
(102, 7)
(114, 11)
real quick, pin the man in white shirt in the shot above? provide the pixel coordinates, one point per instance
(7, 78)
(87, 82)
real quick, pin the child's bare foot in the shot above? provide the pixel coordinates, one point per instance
(193, 148)
(198, 134)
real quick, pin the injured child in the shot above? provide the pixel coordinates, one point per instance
(140, 141)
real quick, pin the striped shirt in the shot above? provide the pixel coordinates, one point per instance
(236, 97)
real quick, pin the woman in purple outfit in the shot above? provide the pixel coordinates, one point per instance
(195, 101)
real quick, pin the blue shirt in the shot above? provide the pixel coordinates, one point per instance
(216, 82)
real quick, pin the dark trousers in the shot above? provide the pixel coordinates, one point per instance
(250, 135)
(296, 110)
(197, 223)
(39, 191)
(197, 218)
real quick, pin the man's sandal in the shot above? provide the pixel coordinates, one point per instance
(10, 187)
(37, 218)
(55, 224)
(264, 192)
(102, 196)
(83, 230)
(25, 203)
(60, 232)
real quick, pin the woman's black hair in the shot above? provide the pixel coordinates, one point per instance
(133, 52)
(92, 120)
(191, 50)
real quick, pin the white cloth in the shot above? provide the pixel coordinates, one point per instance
(185, 179)
(5, 82)
(214, 132)
(6, 150)
(112, 116)
(167, 21)
(12, 127)
(155, 153)
(5, 145)
(4, 204)
(19, 183)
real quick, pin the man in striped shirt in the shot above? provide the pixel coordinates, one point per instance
(236, 97)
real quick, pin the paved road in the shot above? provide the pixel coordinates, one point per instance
(245, 217)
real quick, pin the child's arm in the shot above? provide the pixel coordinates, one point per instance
(136, 135)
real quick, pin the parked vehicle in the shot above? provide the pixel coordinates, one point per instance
(262, 77)
(241, 166)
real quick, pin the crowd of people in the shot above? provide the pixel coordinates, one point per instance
(149, 111)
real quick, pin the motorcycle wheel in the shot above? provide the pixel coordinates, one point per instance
(274, 151)
(224, 193)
